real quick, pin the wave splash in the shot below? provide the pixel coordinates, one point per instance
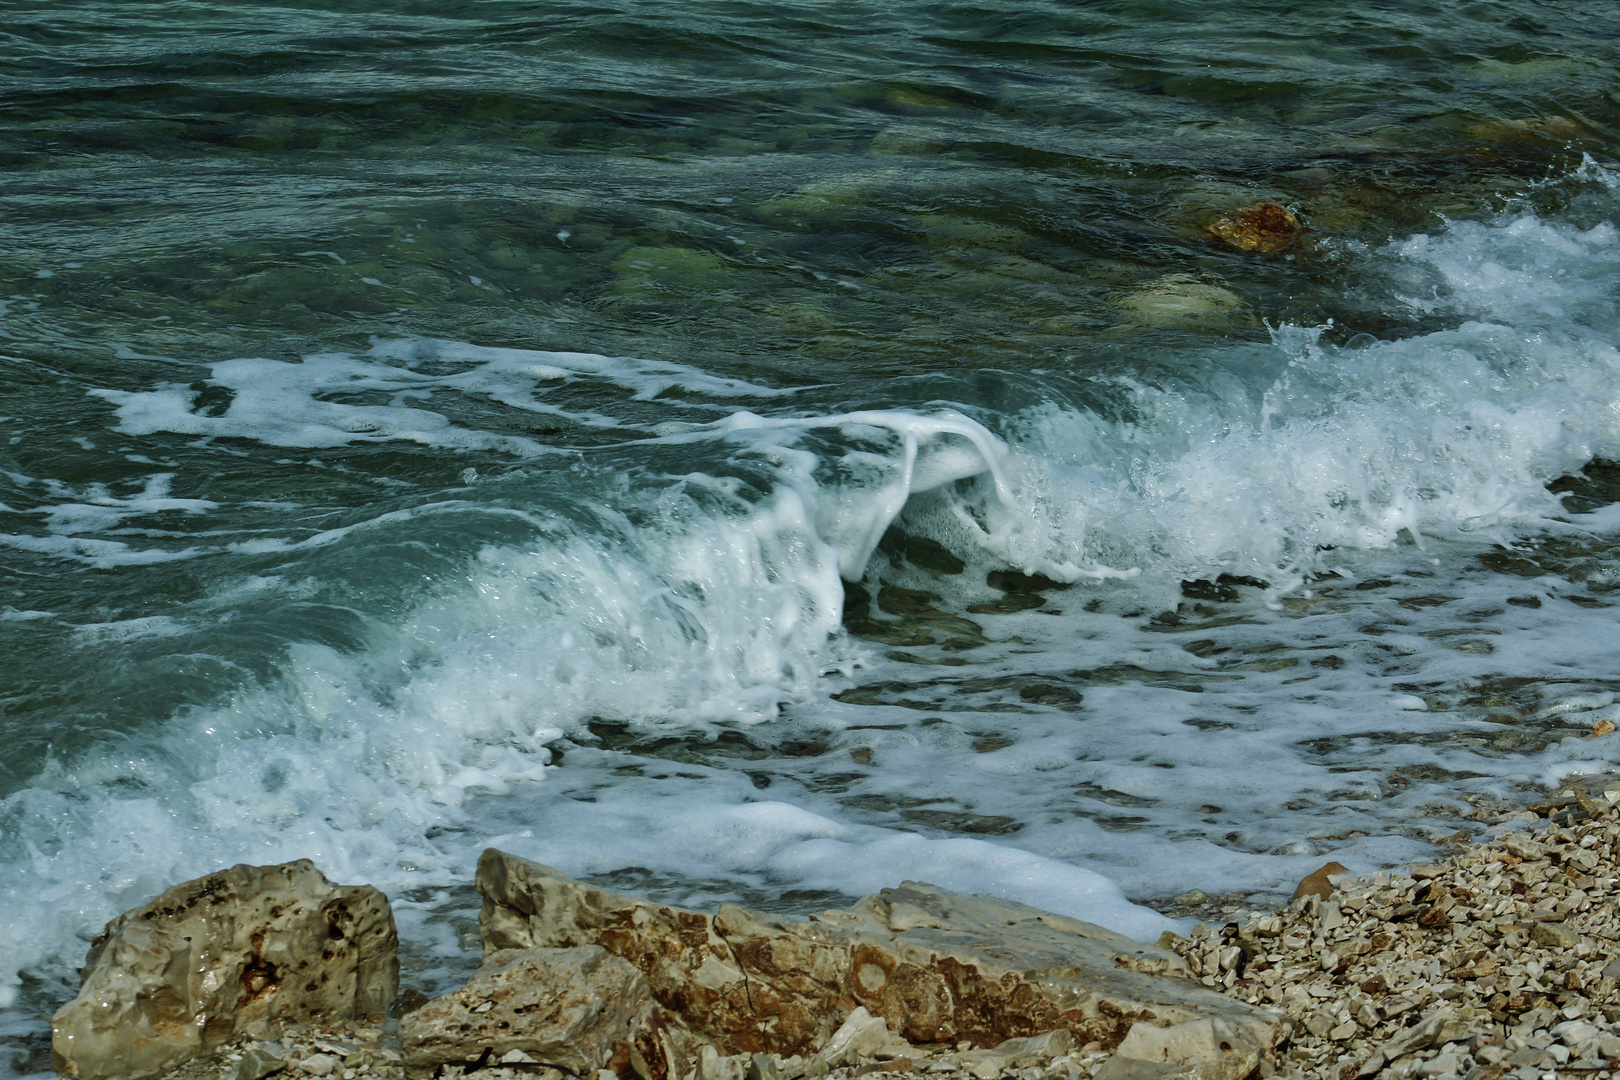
(708, 589)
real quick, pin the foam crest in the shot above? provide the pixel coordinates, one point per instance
(352, 758)
(876, 462)
(1347, 447)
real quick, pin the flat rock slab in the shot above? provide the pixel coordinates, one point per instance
(939, 966)
(235, 952)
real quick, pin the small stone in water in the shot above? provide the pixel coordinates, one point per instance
(1262, 227)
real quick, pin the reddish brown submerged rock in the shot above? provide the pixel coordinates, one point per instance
(1263, 227)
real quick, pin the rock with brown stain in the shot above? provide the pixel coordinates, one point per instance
(1263, 227)
(938, 966)
(579, 1010)
(240, 951)
(1316, 883)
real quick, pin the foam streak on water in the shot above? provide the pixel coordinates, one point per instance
(1411, 620)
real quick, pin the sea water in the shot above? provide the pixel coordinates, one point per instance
(767, 452)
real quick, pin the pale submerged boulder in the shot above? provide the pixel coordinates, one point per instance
(239, 951)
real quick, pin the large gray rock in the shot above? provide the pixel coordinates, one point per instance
(939, 966)
(242, 950)
(579, 1009)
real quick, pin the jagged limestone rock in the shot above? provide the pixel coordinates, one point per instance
(238, 951)
(939, 966)
(1203, 1049)
(1238, 1066)
(576, 1009)
(1014, 1055)
(862, 1036)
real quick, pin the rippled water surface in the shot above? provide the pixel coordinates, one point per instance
(743, 451)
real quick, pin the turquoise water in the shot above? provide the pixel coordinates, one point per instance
(608, 430)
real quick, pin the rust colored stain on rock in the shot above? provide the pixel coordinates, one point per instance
(259, 978)
(1263, 227)
(938, 966)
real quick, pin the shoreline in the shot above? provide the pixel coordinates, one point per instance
(1501, 959)
(1491, 814)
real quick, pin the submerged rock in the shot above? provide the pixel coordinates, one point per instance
(1179, 299)
(240, 951)
(1263, 227)
(938, 966)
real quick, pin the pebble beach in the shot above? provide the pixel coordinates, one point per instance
(1503, 959)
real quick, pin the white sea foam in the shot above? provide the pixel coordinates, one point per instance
(153, 626)
(96, 509)
(711, 833)
(291, 404)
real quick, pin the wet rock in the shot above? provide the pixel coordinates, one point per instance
(1517, 975)
(575, 1009)
(319, 1064)
(1522, 847)
(1231, 1067)
(258, 1063)
(863, 1036)
(765, 1067)
(939, 966)
(1014, 1054)
(1206, 1049)
(1316, 883)
(1553, 935)
(712, 1065)
(1263, 227)
(240, 951)
(1178, 1044)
